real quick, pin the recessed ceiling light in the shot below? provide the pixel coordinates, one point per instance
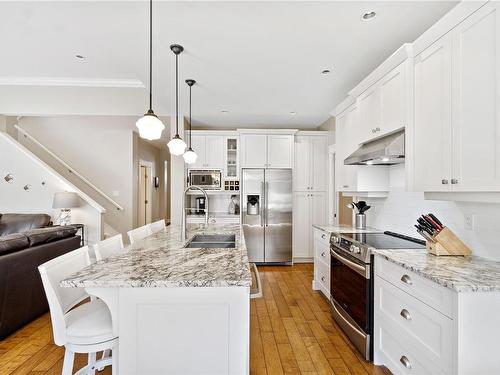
(325, 72)
(81, 57)
(369, 162)
(368, 16)
(224, 111)
(293, 113)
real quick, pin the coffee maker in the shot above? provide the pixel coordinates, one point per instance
(200, 206)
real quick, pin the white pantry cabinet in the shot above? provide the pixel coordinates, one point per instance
(267, 149)
(210, 151)
(308, 209)
(457, 108)
(310, 170)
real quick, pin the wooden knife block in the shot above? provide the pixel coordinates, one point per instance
(447, 243)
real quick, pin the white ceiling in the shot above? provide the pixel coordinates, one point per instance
(257, 60)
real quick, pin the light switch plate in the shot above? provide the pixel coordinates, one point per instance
(116, 193)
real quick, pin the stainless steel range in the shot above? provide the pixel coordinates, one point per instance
(351, 281)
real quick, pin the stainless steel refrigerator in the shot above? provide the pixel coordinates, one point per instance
(266, 214)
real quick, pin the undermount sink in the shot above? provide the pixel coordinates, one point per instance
(212, 241)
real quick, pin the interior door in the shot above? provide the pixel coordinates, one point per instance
(198, 145)
(252, 184)
(278, 215)
(214, 155)
(476, 102)
(318, 167)
(280, 151)
(254, 150)
(302, 170)
(432, 128)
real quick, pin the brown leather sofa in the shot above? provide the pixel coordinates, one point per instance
(27, 241)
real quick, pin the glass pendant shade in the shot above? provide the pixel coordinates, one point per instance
(190, 156)
(150, 127)
(176, 146)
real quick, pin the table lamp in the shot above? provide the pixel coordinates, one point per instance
(65, 200)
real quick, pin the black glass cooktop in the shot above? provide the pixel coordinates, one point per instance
(386, 240)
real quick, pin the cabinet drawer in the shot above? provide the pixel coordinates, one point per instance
(322, 253)
(322, 276)
(322, 237)
(429, 292)
(399, 357)
(428, 331)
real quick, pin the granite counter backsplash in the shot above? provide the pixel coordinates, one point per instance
(462, 274)
(161, 260)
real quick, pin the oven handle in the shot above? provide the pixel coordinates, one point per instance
(356, 329)
(362, 270)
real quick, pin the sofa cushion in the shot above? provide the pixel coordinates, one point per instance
(18, 223)
(13, 242)
(49, 234)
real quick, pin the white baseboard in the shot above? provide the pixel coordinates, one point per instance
(303, 260)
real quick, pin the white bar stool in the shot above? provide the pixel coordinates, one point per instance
(108, 247)
(157, 226)
(138, 234)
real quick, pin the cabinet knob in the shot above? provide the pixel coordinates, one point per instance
(444, 181)
(323, 254)
(323, 278)
(454, 181)
(377, 129)
(323, 236)
(405, 314)
(405, 361)
(406, 279)
(345, 186)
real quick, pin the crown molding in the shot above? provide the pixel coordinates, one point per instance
(70, 82)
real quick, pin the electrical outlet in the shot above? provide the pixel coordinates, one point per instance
(469, 222)
(116, 193)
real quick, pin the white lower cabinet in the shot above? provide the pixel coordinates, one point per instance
(322, 262)
(423, 328)
(308, 209)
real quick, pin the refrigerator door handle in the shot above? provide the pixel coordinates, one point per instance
(262, 204)
(267, 207)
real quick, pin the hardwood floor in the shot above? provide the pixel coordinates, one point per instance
(291, 332)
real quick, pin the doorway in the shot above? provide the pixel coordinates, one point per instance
(145, 192)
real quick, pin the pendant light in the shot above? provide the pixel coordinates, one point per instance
(190, 156)
(176, 144)
(150, 127)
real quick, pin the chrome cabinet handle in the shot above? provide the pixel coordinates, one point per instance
(377, 129)
(405, 314)
(323, 254)
(323, 278)
(406, 279)
(405, 361)
(444, 181)
(345, 186)
(454, 181)
(323, 236)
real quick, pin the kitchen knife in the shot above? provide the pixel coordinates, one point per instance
(426, 236)
(425, 224)
(436, 220)
(433, 223)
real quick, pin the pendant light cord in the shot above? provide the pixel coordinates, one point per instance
(190, 126)
(176, 95)
(151, 55)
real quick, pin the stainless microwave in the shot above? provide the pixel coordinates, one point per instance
(208, 179)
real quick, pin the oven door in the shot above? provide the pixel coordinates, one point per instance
(350, 294)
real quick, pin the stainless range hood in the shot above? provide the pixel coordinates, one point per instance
(386, 150)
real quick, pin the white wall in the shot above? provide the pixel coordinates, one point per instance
(400, 210)
(43, 182)
(98, 147)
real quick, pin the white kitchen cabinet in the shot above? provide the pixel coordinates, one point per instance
(210, 151)
(432, 129)
(280, 151)
(308, 209)
(231, 156)
(273, 149)
(383, 106)
(310, 168)
(421, 327)
(457, 108)
(321, 279)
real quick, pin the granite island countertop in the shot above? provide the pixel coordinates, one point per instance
(345, 229)
(160, 260)
(461, 274)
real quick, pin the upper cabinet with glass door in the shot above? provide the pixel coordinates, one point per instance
(231, 157)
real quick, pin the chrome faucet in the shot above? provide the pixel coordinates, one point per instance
(183, 223)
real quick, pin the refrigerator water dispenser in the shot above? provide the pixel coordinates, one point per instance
(253, 205)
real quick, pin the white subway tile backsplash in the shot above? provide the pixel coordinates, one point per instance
(400, 210)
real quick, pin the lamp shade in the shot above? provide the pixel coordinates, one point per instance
(150, 127)
(190, 156)
(66, 199)
(176, 146)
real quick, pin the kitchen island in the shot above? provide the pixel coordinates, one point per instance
(176, 310)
